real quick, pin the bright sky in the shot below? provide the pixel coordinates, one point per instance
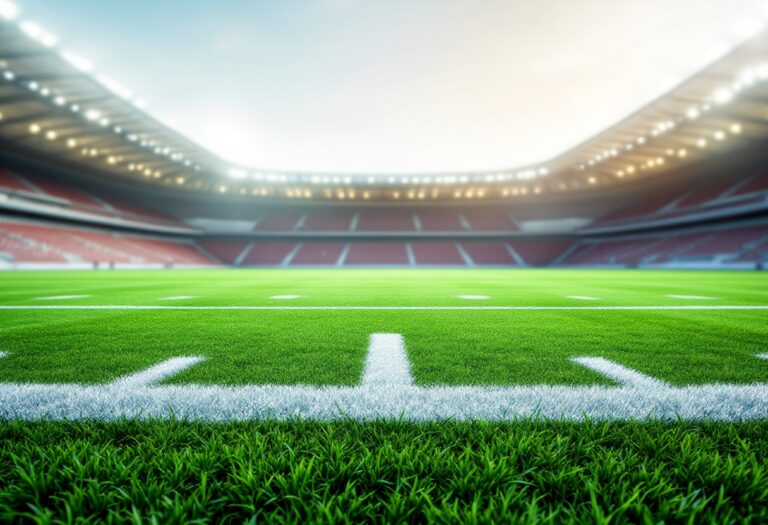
(395, 85)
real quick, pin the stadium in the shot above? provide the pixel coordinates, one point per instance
(190, 339)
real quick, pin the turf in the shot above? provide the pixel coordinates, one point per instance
(326, 347)
(448, 472)
(524, 472)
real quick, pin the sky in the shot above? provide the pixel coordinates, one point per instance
(395, 86)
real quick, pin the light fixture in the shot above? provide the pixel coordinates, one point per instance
(8, 10)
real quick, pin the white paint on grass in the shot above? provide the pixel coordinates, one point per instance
(3, 354)
(156, 373)
(762, 356)
(583, 298)
(694, 297)
(60, 297)
(702, 307)
(387, 392)
(177, 298)
(387, 362)
(285, 297)
(473, 297)
(620, 374)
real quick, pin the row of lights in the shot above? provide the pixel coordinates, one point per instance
(93, 116)
(9, 11)
(345, 180)
(416, 194)
(747, 79)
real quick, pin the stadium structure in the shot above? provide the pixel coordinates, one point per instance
(89, 179)
(465, 347)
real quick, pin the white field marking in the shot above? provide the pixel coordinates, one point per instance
(620, 374)
(473, 297)
(385, 308)
(177, 298)
(583, 298)
(693, 297)
(285, 297)
(60, 297)
(156, 373)
(387, 362)
(721, 402)
(3, 354)
(762, 356)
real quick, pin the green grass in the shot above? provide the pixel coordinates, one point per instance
(329, 347)
(303, 472)
(526, 472)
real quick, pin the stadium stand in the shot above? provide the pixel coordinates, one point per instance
(396, 219)
(436, 253)
(489, 253)
(318, 253)
(268, 253)
(540, 252)
(24, 242)
(226, 251)
(279, 221)
(715, 246)
(431, 220)
(377, 253)
(328, 221)
(12, 183)
(480, 220)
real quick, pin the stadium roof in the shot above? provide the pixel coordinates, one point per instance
(52, 107)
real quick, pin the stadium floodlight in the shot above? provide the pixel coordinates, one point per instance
(77, 61)
(693, 113)
(8, 10)
(723, 96)
(93, 115)
(36, 32)
(237, 173)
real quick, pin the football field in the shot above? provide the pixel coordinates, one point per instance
(512, 383)
(425, 345)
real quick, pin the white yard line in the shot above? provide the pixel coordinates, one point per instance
(177, 298)
(386, 393)
(762, 356)
(387, 362)
(60, 297)
(620, 374)
(384, 308)
(694, 297)
(157, 373)
(473, 297)
(3, 354)
(583, 298)
(286, 297)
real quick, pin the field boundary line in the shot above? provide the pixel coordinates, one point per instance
(156, 373)
(616, 372)
(383, 308)
(387, 362)
(386, 392)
